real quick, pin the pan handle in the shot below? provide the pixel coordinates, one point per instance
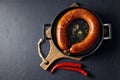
(45, 27)
(41, 40)
(107, 31)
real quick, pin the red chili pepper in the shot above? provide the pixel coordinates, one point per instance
(66, 64)
(75, 69)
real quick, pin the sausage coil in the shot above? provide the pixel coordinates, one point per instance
(63, 25)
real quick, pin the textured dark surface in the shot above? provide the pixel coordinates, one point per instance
(20, 29)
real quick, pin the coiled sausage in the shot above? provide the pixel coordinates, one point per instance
(63, 25)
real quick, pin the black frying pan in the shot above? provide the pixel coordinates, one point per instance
(53, 32)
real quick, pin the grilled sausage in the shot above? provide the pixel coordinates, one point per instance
(63, 25)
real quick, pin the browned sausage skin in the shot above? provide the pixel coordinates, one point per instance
(63, 25)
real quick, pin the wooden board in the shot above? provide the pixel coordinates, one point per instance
(54, 53)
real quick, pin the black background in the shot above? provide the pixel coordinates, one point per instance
(21, 27)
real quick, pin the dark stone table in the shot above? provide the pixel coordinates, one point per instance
(21, 27)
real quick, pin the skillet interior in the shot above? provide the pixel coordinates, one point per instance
(53, 32)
